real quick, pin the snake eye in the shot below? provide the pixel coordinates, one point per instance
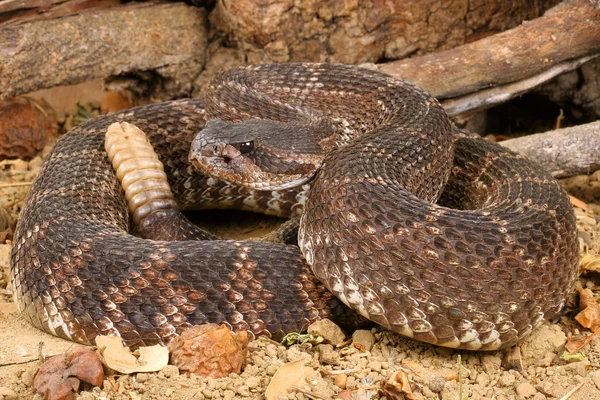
(246, 147)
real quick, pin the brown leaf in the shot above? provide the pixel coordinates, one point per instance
(121, 359)
(589, 263)
(25, 126)
(345, 395)
(210, 350)
(579, 203)
(397, 387)
(59, 377)
(589, 317)
(575, 343)
(287, 377)
(116, 101)
(417, 369)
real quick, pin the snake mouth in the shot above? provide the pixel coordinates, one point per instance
(223, 161)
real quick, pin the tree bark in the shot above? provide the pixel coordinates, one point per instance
(562, 152)
(571, 31)
(166, 41)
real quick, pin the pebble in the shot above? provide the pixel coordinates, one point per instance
(7, 393)
(340, 381)
(142, 377)
(326, 353)
(363, 340)
(27, 376)
(253, 382)
(506, 380)
(170, 371)
(578, 368)
(328, 330)
(526, 390)
(436, 384)
(375, 365)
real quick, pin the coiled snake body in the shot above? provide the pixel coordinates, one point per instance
(478, 272)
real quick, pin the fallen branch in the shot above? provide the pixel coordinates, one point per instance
(570, 32)
(487, 98)
(563, 152)
(167, 41)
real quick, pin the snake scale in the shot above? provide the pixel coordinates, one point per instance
(480, 269)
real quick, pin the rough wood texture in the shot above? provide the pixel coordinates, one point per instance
(563, 152)
(486, 98)
(571, 31)
(352, 31)
(167, 41)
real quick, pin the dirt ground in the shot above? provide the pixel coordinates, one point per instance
(336, 372)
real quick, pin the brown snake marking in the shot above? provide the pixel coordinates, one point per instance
(479, 272)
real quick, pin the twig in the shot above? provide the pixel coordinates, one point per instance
(309, 394)
(460, 381)
(562, 152)
(15, 184)
(572, 391)
(19, 362)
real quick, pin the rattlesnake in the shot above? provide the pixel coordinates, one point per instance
(478, 272)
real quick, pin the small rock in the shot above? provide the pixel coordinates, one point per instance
(526, 389)
(578, 368)
(27, 376)
(169, 392)
(170, 371)
(328, 330)
(436, 384)
(506, 380)
(540, 347)
(539, 396)
(326, 353)
(340, 381)
(7, 393)
(253, 382)
(142, 377)
(375, 365)
(491, 363)
(363, 340)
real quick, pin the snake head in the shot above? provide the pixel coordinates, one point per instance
(258, 154)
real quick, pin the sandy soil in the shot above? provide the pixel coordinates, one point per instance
(434, 371)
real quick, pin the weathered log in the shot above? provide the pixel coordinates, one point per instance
(570, 32)
(167, 41)
(486, 98)
(563, 152)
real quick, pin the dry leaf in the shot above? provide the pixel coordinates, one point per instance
(589, 316)
(121, 359)
(426, 373)
(589, 263)
(287, 377)
(210, 350)
(575, 343)
(345, 395)
(397, 387)
(59, 377)
(579, 203)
